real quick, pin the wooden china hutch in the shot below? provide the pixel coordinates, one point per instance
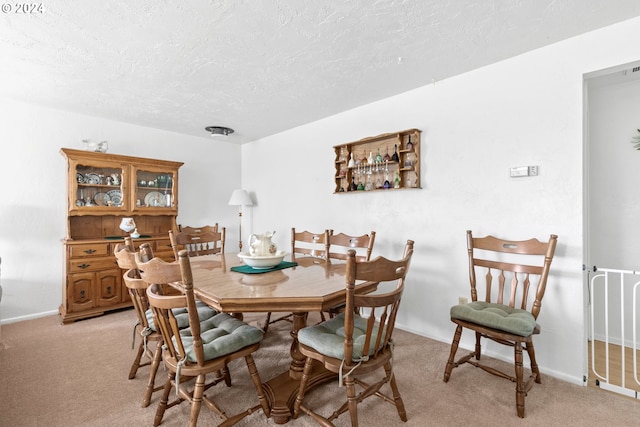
(102, 189)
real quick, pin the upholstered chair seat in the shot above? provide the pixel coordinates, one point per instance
(496, 316)
(221, 334)
(328, 337)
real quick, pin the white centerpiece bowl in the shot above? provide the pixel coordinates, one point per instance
(262, 262)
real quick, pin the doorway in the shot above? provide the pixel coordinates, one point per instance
(612, 228)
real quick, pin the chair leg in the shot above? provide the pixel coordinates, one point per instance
(396, 393)
(136, 361)
(162, 406)
(520, 386)
(452, 354)
(224, 373)
(350, 385)
(196, 401)
(303, 387)
(151, 385)
(266, 323)
(478, 346)
(257, 382)
(534, 365)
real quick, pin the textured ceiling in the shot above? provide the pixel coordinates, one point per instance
(264, 66)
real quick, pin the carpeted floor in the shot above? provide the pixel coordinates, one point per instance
(76, 375)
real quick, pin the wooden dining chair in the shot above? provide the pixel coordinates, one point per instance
(358, 341)
(512, 270)
(307, 243)
(339, 245)
(204, 228)
(304, 243)
(144, 327)
(125, 256)
(204, 349)
(198, 241)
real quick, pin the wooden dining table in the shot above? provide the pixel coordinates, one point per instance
(313, 285)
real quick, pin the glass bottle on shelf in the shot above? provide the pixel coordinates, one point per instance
(396, 182)
(343, 156)
(395, 157)
(364, 160)
(353, 186)
(409, 143)
(352, 163)
(408, 161)
(378, 156)
(370, 159)
(369, 185)
(387, 183)
(387, 157)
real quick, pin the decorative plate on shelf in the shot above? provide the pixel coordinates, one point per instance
(101, 199)
(92, 178)
(116, 197)
(154, 198)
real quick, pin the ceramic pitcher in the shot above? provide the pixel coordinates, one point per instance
(261, 244)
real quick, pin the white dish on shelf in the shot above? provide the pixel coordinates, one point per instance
(92, 178)
(154, 198)
(115, 197)
(101, 199)
(262, 262)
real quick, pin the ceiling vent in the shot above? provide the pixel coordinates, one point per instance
(217, 131)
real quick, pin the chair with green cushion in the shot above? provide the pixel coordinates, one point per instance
(144, 327)
(201, 350)
(125, 257)
(358, 341)
(517, 270)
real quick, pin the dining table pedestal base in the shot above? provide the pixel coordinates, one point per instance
(282, 391)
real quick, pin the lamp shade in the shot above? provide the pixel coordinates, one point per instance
(240, 198)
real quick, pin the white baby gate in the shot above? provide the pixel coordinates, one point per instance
(612, 293)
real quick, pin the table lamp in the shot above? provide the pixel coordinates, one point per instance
(240, 198)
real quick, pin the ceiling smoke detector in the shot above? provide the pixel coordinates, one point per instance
(219, 130)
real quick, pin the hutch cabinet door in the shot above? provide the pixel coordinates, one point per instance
(109, 287)
(80, 293)
(155, 190)
(97, 187)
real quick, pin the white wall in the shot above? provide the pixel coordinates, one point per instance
(33, 204)
(524, 111)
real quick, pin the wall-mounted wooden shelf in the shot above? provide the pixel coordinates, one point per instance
(390, 161)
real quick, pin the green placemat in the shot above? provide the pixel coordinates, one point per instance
(250, 270)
